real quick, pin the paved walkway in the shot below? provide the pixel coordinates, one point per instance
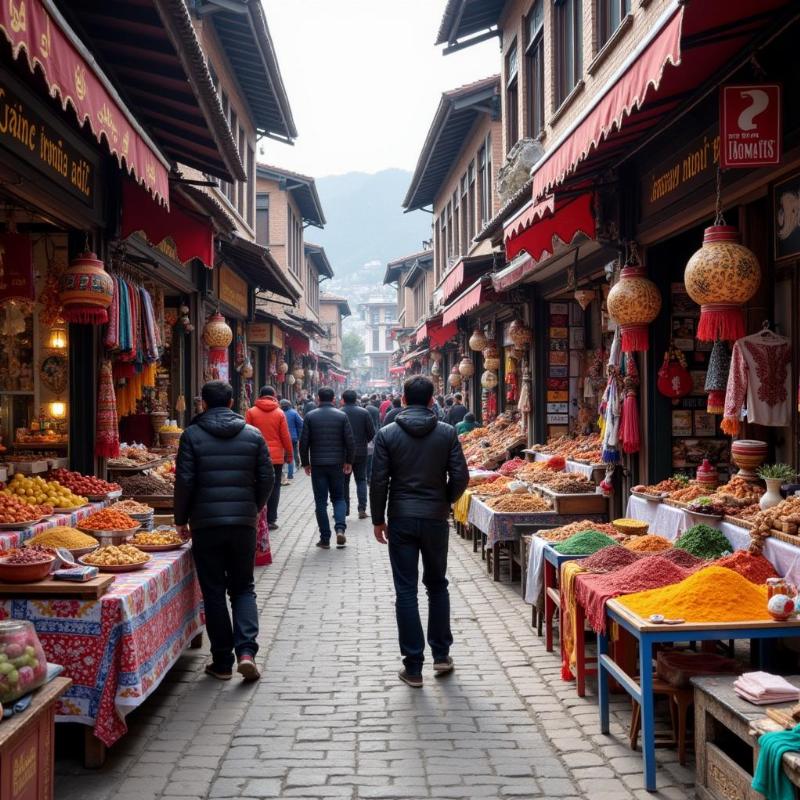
(330, 719)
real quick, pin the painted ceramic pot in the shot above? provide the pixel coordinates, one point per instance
(491, 358)
(466, 368)
(477, 341)
(520, 334)
(748, 455)
(707, 475)
(489, 379)
(633, 303)
(455, 378)
(86, 290)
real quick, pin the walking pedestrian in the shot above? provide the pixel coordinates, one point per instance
(420, 467)
(372, 407)
(308, 404)
(391, 414)
(386, 404)
(223, 477)
(457, 410)
(268, 417)
(363, 434)
(438, 407)
(295, 423)
(467, 424)
(329, 437)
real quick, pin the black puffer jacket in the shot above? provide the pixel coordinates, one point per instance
(223, 474)
(391, 415)
(375, 415)
(327, 432)
(419, 464)
(362, 427)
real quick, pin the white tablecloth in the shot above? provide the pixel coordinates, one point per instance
(587, 470)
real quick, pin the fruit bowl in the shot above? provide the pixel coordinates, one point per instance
(25, 573)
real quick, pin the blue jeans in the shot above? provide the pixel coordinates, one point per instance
(294, 462)
(224, 559)
(360, 476)
(328, 480)
(410, 537)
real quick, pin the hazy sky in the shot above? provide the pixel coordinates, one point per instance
(364, 80)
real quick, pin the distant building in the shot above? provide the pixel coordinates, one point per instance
(379, 317)
(333, 308)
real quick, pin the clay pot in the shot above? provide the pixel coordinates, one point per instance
(477, 341)
(466, 368)
(748, 455)
(85, 291)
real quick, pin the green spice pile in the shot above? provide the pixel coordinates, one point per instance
(584, 543)
(704, 542)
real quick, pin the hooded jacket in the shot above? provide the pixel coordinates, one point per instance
(267, 415)
(223, 473)
(327, 433)
(419, 465)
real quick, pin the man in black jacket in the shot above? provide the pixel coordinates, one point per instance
(376, 424)
(327, 433)
(363, 433)
(457, 411)
(223, 477)
(419, 464)
(391, 414)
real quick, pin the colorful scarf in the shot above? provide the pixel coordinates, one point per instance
(107, 429)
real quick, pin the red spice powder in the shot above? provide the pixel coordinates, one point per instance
(754, 567)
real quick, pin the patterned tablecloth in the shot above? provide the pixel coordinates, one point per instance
(117, 649)
(9, 539)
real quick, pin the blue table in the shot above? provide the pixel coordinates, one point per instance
(647, 635)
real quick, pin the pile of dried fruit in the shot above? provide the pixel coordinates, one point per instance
(87, 485)
(132, 507)
(28, 555)
(116, 556)
(512, 467)
(565, 531)
(109, 520)
(13, 510)
(154, 538)
(519, 503)
(785, 514)
(145, 485)
(36, 491)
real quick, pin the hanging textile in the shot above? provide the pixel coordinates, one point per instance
(107, 429)
(611, 405)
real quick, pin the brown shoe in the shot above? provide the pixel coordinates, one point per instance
(362, 514)
(219, 673)
(411, 680)
(443, 667)
(247, 669)
(341, 540)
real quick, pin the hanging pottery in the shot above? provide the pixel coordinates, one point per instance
(436, 356)
(298, 371)
(489, 379)
(218, 336)
(520, 334)
(436, 369)
(86, 290)
(721, 277)
(455, 378)
(466, 368)
(491, 358)
(247, 370)
(291, 380)
(633, 303)
(283, 368)
(477, 341)
(584, 297)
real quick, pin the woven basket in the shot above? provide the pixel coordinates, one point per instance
(169, 438)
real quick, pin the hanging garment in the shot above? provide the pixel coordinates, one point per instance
(106, 427)
(759, 385)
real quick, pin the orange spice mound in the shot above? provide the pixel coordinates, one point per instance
(752, 566)
(109, 520)
(650, 543)
(714, 594)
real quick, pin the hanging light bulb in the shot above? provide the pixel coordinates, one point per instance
(57, 340)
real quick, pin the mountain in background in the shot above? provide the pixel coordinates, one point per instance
(366, 221)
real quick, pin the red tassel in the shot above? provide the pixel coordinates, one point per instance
(217, 355)
(716, 402)
(720, 321)
(635, 338)
(630, 424)
(88, 315)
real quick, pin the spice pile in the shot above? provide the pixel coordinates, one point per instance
(132, 507)
(584, 543)
(28, 555)
(109, 520)
(511, 467)
(493, 489)
(536, 472)
(673, 484)
(610, 558)
(585, 448)
(686, 495)
(649, 543)
(713, 594)
(519, 503)
(145, 485)
(593, 591)
(83, 484)
(480, 480)
(62, 536)
(752, 566)
(682, 558)
(570, 529)
(566, 483)
(116, 556)
(705, 542)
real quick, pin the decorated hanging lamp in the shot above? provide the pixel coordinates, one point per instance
(283, 367)
(491, 357)
(298, 371)
(455, 378)
(520, 334)
(218, 336)
(633, 303)
(436, 356)
(477, 341)
(584, 297)
(466, 368)
(86, 290)
(436, 369)
(721, 277)
(719, 365)
(489, 379)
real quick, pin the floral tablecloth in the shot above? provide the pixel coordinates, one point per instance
(117, 649)
(10, 539)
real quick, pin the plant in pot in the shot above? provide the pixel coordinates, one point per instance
(774, 475)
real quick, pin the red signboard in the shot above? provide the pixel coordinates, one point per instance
(750, 125)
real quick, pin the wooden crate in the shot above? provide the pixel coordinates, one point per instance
(583, 503)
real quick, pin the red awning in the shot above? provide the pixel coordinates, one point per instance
(442, 335)
(192, 235)
(466, 301)
(560, 226)
(51, 45)
(421, 333)
(453, 280)
(527, 216)
(397, 370)
(296, 342)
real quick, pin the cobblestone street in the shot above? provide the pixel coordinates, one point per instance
(330, 718)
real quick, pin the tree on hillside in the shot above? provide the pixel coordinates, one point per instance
(352, 348)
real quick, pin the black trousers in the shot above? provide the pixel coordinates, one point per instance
(275, 497)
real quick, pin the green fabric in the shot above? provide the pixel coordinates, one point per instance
(465, 427)
(770, 778)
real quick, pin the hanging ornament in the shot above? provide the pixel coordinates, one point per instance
(247, 370)
(520, 334)
(218, 336)
(436, 356)
(291, 380)
(633, 303)
(298, 371)
(436, 369)
(86, 290)
(489, 379)
(719, 365)
(491, 357)
(674, 380)
(283, 367)
(584, 297)
(721, 277)
(478, 340)
(455, 378)
(466, 368)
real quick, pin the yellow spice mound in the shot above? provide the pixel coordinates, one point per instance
(714, 594)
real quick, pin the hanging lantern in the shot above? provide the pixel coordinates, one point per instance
(477, 341)
(466, 368)
(633, 303)
(584, 297)
(491, 358)
(283, 368)
(298, 371)
(86, 290)
(489, 379)
(291, 380)
(436, 356)
(455, 379)
(721, 277)
(436, 369)
(247, 370)
(520, 334)
(218, 336)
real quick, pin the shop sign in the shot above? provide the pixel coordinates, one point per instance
(259, 333)
(558, 419)
(16, 267)
(558, 408)
(557, 396)
(35, 137)
(750, 125)
(681, 174)
(277, 337)
(233, 291)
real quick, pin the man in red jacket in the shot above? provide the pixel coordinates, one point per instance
(269, 418)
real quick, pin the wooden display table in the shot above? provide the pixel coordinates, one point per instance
(26, 746)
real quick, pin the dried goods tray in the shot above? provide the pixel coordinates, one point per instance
(116, 567)
(676, 503)
(155, 501)
(91, 589)
(742, 523)
(651, 498)
(789, 538)
(159, 548)
(156, 462)
(580, 503)
(20, 526)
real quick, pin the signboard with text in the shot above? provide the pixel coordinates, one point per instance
(750, 125)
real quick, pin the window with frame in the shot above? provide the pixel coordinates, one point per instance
(471, 211)
(568, 47)
(534, 69)
(419, 302)
(262, 219)
(376, 340)
(374, 316)
(449, 244)
(609, 15)
(234, 124)
(251, 180)
(456, 229)
(241, 184)
(312, 287)
(485, 178)
(512, 96)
